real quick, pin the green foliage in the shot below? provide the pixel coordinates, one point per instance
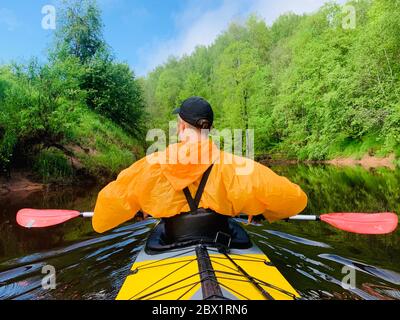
(111, 87)
(108, 149)
(310, 88)
(40, 105)
(285, 26)
(7, 144)
(46, 117)
(52, 165)
(80, 31)
(114, 92)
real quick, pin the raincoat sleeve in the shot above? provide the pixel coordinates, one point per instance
(282, 198)
(117, 202)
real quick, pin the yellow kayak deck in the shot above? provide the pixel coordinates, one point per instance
(178, 275)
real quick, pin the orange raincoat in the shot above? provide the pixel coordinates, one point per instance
(154, 185)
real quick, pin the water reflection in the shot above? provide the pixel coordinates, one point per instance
(89, 269)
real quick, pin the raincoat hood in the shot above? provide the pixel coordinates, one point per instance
(187, 162)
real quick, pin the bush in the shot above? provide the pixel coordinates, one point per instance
(114, 92)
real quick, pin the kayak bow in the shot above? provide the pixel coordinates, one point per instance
(205, 272)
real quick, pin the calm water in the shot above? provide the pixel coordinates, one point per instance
(310, 255)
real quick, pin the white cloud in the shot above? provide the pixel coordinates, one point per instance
(199, 26)
(8, 18)
(204, 29)
(270, 10)
(195, 26)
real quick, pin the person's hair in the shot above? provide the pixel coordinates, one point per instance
(203, 124)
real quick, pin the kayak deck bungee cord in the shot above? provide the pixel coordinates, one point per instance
(204, 271)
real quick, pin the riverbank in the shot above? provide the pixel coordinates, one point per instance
(96, 152)
(367, 162)
(20, 182)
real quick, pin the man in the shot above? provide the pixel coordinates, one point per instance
(158, 184)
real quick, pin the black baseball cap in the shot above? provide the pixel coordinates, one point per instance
(195, 109)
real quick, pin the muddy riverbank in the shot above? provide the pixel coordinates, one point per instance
(367, 162)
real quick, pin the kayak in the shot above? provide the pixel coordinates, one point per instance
(227, 268)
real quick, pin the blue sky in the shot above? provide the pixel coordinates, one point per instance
(143, 33)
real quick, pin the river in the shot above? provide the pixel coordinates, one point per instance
(311, 255)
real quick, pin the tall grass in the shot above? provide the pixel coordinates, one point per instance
(52, 165)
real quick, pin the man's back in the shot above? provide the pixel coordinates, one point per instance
(155, 184)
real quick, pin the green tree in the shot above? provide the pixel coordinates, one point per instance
(112, 88)
(234, 75)
(80, 31)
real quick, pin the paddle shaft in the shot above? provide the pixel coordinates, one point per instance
(304, 218)
(295, 218)
(87, 214)
(361, 223)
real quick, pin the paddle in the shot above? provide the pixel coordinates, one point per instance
(32, 218)
(361, 223)
(378, 223)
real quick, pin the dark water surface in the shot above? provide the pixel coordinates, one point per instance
(311, 255)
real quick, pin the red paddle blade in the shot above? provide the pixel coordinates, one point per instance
(31, 218)
(363, 223)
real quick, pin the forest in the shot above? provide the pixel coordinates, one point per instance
(309, 87)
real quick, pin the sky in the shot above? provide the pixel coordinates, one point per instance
(143, 33)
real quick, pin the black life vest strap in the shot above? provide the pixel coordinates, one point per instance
(194, 203)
